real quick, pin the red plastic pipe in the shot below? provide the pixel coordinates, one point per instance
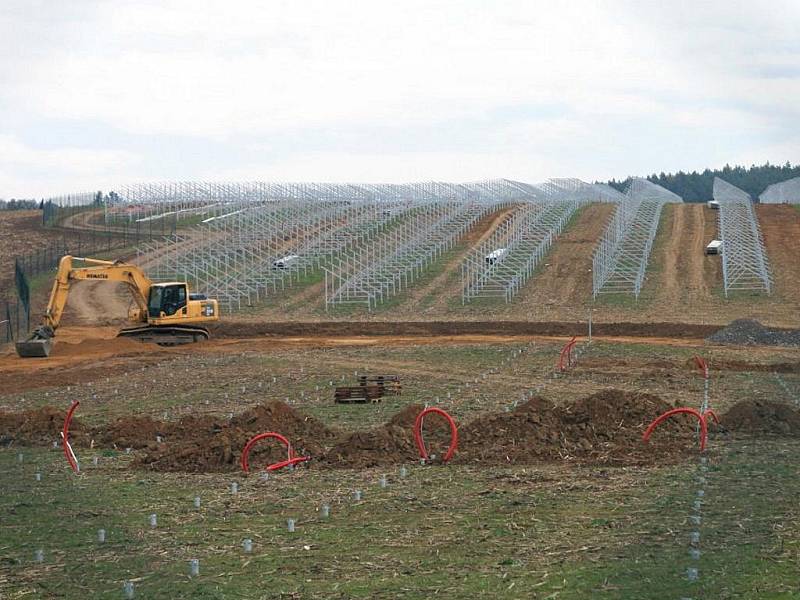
(259, 437)
(286, 463)
(676, 411)
(711, 412)
(423, 452)
(572, 345)
(702, 365)
(65, 437)
(566, 351)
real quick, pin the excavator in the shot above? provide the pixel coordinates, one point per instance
(165, 313)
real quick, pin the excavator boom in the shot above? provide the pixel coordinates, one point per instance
(166, 313)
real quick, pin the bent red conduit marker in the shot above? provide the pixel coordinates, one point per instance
(714, 416)
(287, 463)
(677, 411)
(423, 452)
(290, 458)
(68, 452)
(702, 365)
(566, 352)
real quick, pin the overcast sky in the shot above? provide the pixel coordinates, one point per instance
(94, 94)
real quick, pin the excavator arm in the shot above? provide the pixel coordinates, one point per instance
(40, 342)
(102, 270)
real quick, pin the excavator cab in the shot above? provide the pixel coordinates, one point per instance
(166, 300)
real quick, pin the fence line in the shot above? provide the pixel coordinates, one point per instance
(14, 321)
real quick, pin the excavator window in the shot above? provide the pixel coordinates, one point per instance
(168, 299)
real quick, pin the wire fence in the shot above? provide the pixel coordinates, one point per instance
(15, 303)
(14, 321)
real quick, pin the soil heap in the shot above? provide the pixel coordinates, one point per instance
(604, 428)
(762, 416)
(389, 444)
(202, 444)
(39, 427)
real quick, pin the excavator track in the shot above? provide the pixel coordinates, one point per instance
(166, 335)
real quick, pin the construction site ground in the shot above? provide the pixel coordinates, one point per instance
(517, 513)
(551, 494)
(682, 284)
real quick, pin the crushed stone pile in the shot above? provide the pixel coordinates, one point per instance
(748, 332)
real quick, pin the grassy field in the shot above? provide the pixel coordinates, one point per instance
(537, 531)
(541, 532)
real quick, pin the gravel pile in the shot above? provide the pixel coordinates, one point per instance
(747, 332)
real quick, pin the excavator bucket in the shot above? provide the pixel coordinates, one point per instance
(39, 343)
(35, 348)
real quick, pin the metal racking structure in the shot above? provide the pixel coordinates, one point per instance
(785, 192)
(242, 231)
(744, 259)
(504, 262)
(382, 268)
(620, 260)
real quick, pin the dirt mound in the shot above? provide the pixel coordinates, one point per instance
(390, 444)
(762, 416)
(531, 431)
(39, 427)
(604, 428)
(406, 417)
(748, 332)
(129, 432)
(247, 329)
(280, 417)
(607, 428)
(203, 444)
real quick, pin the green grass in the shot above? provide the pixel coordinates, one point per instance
(537, 531)
(456, 532)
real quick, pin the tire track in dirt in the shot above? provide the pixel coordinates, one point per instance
(687, 276)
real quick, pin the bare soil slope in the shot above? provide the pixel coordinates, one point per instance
(21, 232)
(566, 277)
(97, 303)
(780, 225)
(447, 283)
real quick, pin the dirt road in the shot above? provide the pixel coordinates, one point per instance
(88, 353)
(687, 277)
(566, 276)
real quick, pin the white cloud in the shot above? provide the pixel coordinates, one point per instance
(396, 167)
(259, 69)
(26, 171)
(590, 88)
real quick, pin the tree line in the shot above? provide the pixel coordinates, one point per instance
(698, 186)
(15, 204)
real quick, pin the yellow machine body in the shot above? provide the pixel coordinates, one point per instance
(165, 313)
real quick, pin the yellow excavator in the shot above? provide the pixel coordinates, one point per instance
(166, 313)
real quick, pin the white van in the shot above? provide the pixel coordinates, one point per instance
(496, 256)
(715, 247)
(285, 262)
